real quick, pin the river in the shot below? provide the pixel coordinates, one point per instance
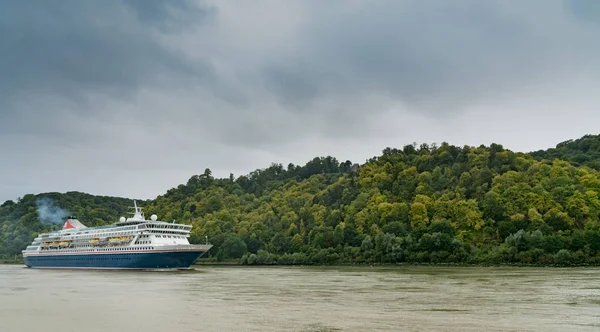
(224, 298)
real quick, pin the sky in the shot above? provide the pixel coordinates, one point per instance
(132, 97)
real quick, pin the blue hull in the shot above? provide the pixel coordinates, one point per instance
(133, 260)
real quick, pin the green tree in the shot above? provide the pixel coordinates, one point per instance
(234, 247)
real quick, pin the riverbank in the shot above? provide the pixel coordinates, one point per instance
(238, 262)
(378, 265)
(6, 260)
(389, 265)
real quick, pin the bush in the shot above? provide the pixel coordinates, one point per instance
(563, 257)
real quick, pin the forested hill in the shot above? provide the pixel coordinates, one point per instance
(582, 151)
(21, 221)
(416, 204)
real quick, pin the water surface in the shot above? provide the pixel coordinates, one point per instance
(301, 299)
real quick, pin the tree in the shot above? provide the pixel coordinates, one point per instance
(234, 247)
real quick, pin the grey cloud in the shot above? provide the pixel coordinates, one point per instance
(170, 16)
(342, 66)
(585, 10)
(433, 55)
(149, 92)
(291, 86)
(71, 48)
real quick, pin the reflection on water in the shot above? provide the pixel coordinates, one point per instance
(301, 299)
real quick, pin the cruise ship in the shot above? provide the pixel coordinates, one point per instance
(130, 243)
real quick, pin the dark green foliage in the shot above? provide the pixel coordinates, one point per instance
(582, 151)
(234, 247)
(20, 221)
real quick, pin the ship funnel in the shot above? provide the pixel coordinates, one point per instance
(72, 222)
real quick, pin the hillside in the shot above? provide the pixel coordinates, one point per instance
(584, 151)
(21, 221)
(425, 204)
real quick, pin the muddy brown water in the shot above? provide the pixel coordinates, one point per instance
(219, 298)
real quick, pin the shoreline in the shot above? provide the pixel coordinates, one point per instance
(380, 265)
(234, 263)
(391, 265)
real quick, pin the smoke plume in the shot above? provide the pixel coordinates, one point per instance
(48, 212)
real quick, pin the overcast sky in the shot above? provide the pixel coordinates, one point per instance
(131, 98)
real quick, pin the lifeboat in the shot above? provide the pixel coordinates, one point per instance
(94, 241)
(119, 239)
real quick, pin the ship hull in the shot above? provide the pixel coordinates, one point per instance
(122, 260)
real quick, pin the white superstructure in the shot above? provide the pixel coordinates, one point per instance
(135, 233)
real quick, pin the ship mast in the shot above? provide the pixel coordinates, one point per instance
(137, 214)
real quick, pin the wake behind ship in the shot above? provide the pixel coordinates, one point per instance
(132, 243)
